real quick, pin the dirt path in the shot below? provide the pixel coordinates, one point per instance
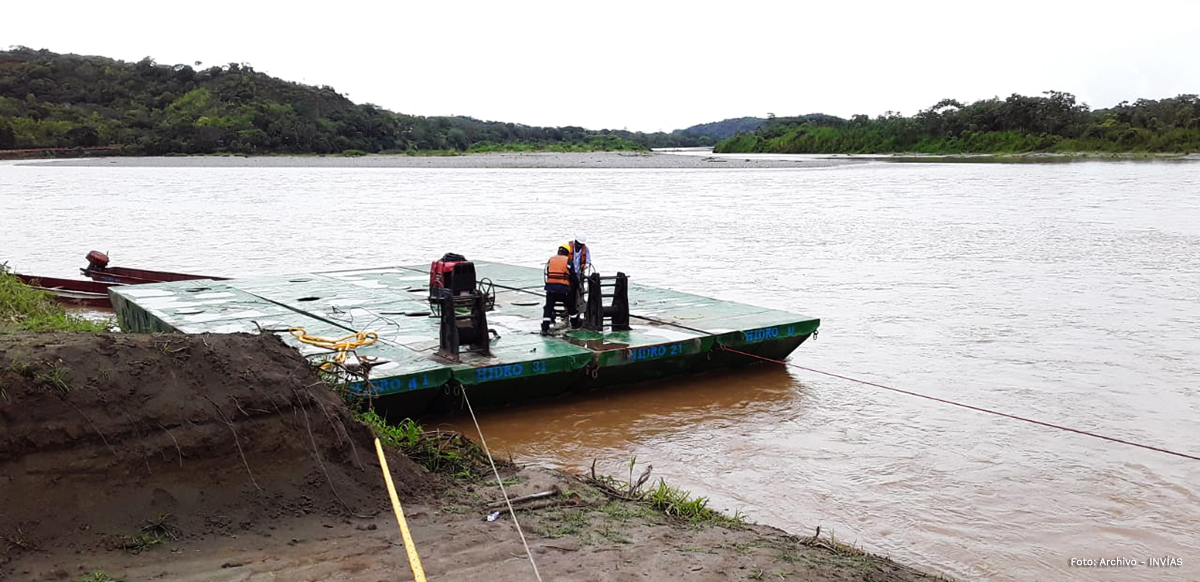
(224, 458)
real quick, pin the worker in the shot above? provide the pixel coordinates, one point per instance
(580, 257)
(559, 284)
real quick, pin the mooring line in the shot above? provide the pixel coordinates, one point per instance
(500, 482)
(976, 408)
(414, 560)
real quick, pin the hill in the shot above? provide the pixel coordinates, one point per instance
(719, 130)
(50, 100)
(1051, 123)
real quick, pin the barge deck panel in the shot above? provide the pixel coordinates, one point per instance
(671, 331)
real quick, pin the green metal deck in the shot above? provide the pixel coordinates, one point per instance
(671, 332)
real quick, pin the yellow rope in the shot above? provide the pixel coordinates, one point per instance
(414, 560)
(341, 345)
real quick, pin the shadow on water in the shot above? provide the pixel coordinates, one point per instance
(567, 432)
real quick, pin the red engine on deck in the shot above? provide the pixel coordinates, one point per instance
(441, 273)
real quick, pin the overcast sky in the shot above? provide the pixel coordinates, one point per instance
(652, 65)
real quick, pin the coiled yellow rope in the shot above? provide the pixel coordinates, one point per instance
(341, 346)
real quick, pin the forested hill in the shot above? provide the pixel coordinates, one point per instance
(719, 130)
(49, 100)
(1051, 123)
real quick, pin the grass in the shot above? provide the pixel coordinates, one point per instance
(162, 527)
(623, 512)
(23, 308)
(98, 576)
(663, 498)
(18, 541)
(613, 535)
(140, 542)
(564, 523)
(22, 368)
(55, 376)
(439, 452)
(610, 512)
(679, 503)
(507, 482)
(153, 532)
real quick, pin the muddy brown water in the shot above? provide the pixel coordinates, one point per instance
(1065, 292)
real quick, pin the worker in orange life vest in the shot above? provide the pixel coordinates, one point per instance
(559, 285)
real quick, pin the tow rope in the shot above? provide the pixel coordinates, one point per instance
(976, 408)
(340, 346)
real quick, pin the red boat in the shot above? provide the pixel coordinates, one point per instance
(74, 291)
(99, 270)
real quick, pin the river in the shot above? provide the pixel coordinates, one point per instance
(1068, 293)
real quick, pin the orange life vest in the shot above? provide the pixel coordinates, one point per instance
(557, 270)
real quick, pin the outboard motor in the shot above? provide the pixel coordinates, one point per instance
(97, 260)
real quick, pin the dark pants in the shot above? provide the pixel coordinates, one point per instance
(576, 290)
(561, 294)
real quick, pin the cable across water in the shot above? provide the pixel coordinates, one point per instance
(976, 408)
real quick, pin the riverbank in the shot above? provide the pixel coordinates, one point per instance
(1032, 157)
(223, 457)
(540, 160)
(691, 160)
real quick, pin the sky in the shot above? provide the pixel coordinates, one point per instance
(652, 65)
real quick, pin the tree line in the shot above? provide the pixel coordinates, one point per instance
(50, 100)
(1053, 122)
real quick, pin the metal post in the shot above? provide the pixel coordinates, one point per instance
(620, 311)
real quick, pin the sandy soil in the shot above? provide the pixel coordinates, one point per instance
(246, 467)
(589, 160)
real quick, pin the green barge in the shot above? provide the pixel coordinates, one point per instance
(417, 363)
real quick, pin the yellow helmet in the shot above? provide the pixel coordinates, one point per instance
(565, 246)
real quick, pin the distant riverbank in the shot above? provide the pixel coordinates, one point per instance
(681, 159)
(549, 160)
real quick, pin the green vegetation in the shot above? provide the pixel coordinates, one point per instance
(138, 543)
(55, 377)
(676, 502)
(98, 576)
(28, 309)
(438, 451)
(592, 144)
(154, 532)
(49, 100)
(564, 523)
(1018, 124)
(671, 501)
(719, 130)
(18, 541)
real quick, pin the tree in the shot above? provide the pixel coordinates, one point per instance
(8, 137)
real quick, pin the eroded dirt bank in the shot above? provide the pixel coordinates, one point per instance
(224, 458)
